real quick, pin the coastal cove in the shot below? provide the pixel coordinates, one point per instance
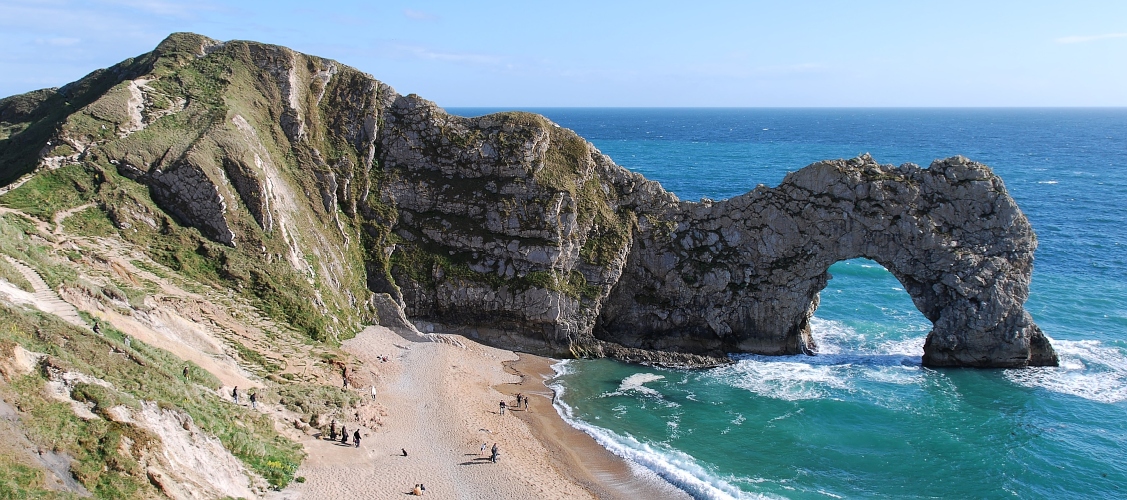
(231, 269)
(864, 418)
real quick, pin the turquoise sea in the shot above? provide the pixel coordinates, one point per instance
(864, 419)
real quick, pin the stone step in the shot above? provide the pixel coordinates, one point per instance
(48, 299)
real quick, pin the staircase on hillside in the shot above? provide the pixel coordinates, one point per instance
(47, 299)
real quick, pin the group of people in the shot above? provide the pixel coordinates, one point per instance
(522, 401)
(493, 454)
(343, 433)
(235, 394)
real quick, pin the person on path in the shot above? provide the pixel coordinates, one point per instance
(482, 452)
(235, 394)
(502, 407)
(128, 342)
(373, 393)
(185, 373)
(518, 400)
(526, 402)
(493, 457)
(254, 400)
(343, 435)
(356, 437)
(333, 430)
(97, 329)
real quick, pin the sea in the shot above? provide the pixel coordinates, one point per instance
(864, 418)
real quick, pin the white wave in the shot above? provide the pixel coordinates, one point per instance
(1048, 182)
(1088, 369)
(636, 382)
(786, 380)
(563, 367)
(678, 468)
(844, 355)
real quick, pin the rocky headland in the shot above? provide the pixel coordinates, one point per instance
(332, 200)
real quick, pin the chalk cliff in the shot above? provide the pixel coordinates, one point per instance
(314, 182)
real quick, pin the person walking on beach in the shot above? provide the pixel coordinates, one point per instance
(518, 400)
(482, 452)
(502, 407)
(254, 400)
(235, 394)
(356, 437)
(333, 430)
(526, 402)
(493, 457)
(343, 435)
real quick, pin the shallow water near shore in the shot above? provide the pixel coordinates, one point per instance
(864, 418)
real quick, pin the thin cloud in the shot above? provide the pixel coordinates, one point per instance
(1090, 38)
(57, 41)
(176, 9)
(419, 15)
(419, 52)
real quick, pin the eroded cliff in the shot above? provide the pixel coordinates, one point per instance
(310, 181)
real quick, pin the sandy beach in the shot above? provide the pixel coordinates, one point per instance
(439, 401)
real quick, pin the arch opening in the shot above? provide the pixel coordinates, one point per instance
(864, 309)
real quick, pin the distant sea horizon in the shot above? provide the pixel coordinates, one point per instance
(864, 418)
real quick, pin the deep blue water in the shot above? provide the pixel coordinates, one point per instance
(864, 419)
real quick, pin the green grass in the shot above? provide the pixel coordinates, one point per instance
(15, 240)
(139, 373)
(9, 273)
(22, 480)
(49, 192)
(89, 222)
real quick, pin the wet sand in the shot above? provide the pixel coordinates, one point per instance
(577, 454)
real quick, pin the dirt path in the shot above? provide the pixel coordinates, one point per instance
(46, 299)
(62, 215)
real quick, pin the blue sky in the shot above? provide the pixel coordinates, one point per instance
(604, 53)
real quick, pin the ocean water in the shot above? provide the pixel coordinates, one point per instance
(863, 418)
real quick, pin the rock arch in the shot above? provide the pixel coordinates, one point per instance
(743, 274)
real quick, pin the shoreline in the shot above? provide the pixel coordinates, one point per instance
(578, 455)
(438, 401)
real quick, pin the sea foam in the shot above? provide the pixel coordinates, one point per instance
(1088, 369)
(676, 467)
(844, 355)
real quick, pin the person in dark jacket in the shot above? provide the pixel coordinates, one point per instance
(356, 437)
(343, 434)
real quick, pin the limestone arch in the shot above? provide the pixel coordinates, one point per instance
(743, 274)
(954, 239)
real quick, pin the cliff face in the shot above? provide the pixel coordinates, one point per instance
(314, 177)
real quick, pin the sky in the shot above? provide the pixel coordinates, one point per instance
(605, 53)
